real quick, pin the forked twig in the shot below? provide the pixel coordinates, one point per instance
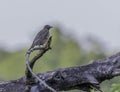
(29, 72)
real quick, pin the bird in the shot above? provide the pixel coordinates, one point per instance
(41, 38)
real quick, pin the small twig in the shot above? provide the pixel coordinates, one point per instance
(35, 58)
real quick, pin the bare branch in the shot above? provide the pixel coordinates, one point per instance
(35, 58)
(30, 75)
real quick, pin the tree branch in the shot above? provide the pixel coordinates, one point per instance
(31, 77)
(79, 77)
(35, 58)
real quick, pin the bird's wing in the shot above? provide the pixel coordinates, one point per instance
(41, 37)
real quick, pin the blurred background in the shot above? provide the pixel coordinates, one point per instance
(85, 30)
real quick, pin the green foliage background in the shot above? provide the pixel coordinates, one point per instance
(66, 52)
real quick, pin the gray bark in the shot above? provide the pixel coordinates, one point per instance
(78, 77)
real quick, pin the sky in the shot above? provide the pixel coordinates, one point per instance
(21, 19)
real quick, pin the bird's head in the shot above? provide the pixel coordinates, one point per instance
(47, 27)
